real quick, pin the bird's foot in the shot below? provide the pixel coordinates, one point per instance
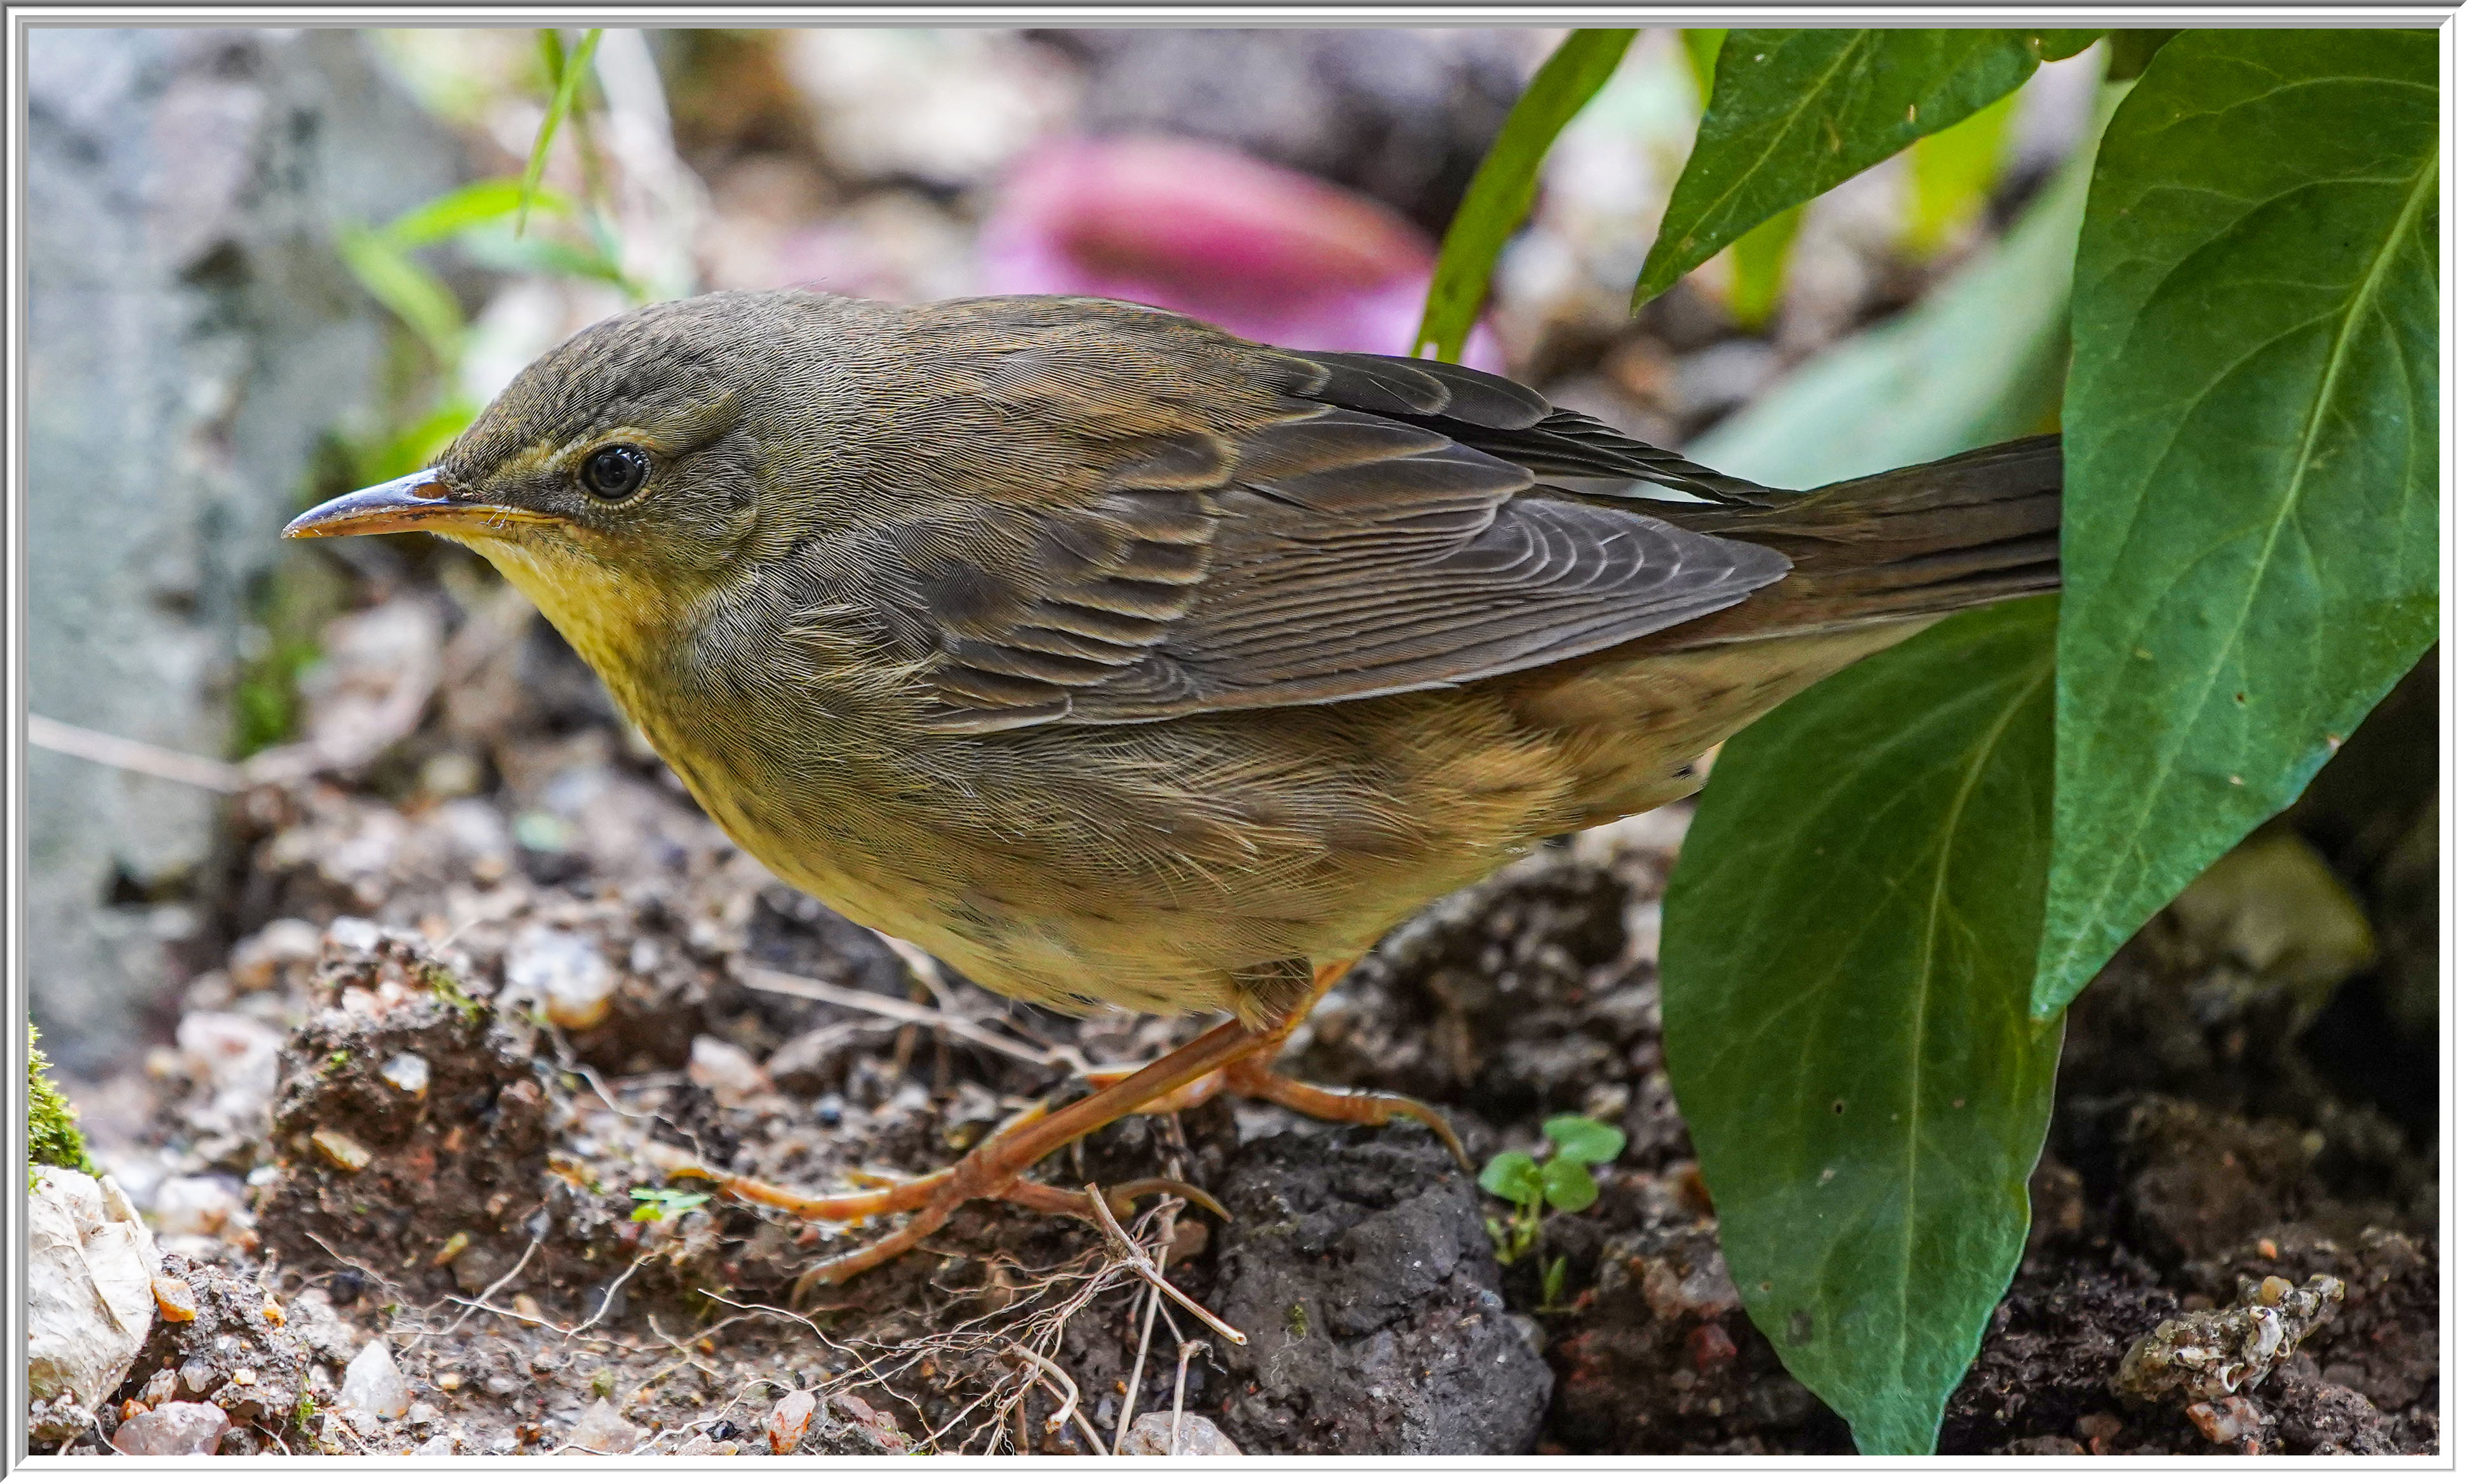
(996, 1170)
(1252, 1078)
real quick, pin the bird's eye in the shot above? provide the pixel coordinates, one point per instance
(616, 472)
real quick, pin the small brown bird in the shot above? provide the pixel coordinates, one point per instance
(1114, 659)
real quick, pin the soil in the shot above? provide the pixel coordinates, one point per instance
(489, 1015)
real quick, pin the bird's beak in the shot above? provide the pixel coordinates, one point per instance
(414, 502)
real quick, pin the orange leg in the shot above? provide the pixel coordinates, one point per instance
(1226, 1059)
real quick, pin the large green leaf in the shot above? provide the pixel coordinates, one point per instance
(1503, 191)
(2250, 455)
(1795, 113)
(1846, 971)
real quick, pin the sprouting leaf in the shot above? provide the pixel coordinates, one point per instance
(567, 68)
(416, 295)
(1568, 1185)
(1512, 1176)
(1795, 113)
(657, 1203)
(1503, 191)
(464, 208)
(1846, 966)
(1584, 1141)
(1555, 1281)
(2252, 452)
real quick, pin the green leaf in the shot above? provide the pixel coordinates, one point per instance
(1512, 1176)
(1584, 1141)
(1796, 113)
(463, 208)
(2129, 51)
(1980, 360)
(1704, 49)
(1953, 172)
(1847, 950)
(416, 295)
(567, 68)
(1503, 191)
(1759, 259)
(1569, 1186)
(2251, 534)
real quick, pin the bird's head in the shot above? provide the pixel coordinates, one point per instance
(620, 479)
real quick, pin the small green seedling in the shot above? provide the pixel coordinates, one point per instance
(660, 1203)
(1564, 1181)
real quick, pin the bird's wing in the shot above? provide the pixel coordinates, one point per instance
(1377, 529)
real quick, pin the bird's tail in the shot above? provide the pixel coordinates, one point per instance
(1933, 538)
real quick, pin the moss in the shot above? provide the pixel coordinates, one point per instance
(52, 1136)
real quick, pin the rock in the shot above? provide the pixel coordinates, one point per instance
(2210, 1353)
(240, 1059)
(90, 1270)
(785, 1428)
(436, 1448)
(1157, 1435)
(372, 1388)
(1358, 1264)
(258, 958)
(198, 1204)
(240, 1348)
(732, 1076)
(604, 1429)
(563, 973)
(174, 1299)
(197, 338)
(171, 1429)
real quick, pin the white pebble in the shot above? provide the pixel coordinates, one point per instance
(373, 1386)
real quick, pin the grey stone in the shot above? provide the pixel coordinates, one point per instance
(173, 1428)
(1357, 1266)
(190, 337)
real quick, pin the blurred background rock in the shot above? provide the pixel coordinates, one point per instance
(191, 337)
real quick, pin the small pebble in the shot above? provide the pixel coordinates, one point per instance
(2227, 1420)
(786, 1427)
(436, 1448)
(345, 1152)
(1152, 1435)
(199, 1377)
(372, 1385)
(422, 1414)
(408, 1072)
(173, 1428)
(160, 1387)
(732, 1076)
(175, 1299)
(605, 1429)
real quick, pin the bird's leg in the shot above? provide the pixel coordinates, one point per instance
(995, 1168)
(1230, 1058)
(1253, 1077)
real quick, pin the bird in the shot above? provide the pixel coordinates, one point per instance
(1114, 659)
